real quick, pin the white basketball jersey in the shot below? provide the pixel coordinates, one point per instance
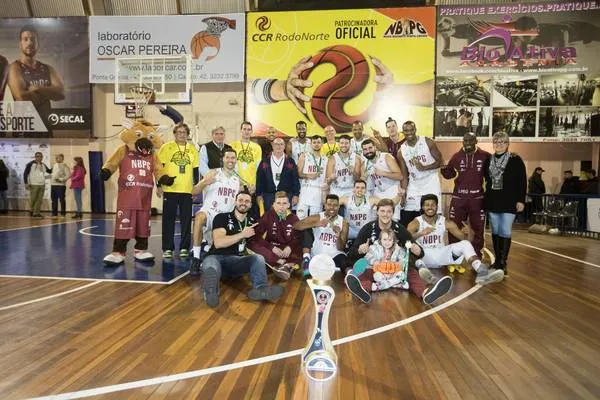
(421, 152)
(220, 195)
(344, 175)
(310, 189)
(299, 148)
(356, 145)
(325, 238)
(436, 238)
(357, 215)
(380, 186)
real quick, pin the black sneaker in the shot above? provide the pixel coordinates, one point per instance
(356, 288)
(195, 267)
(270, 293)
(210, 287)
(440, 288)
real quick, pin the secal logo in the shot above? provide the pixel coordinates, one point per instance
(405, 27)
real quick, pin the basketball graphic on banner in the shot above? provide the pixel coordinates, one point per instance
(350, 79)
(202, 40)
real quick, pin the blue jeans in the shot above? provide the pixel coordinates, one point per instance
(77, 194)
(235, 266)
(3, 200)
(501, 224)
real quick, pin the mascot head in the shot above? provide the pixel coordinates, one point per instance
(141, 136)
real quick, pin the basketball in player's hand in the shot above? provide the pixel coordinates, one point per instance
(350, 79)
(202, 40)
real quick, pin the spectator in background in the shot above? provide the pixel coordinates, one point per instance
(537, 187)
(34, 177)
(570, 184)
(180, 159)
(590, 185)
(505, 195)
(277, 172)
(211, 153)
(77, 184)
(58, 189)
(3, 188)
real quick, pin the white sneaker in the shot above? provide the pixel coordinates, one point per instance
(112, 259)
(143, 256)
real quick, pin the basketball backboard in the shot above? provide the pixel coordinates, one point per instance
(168, 77)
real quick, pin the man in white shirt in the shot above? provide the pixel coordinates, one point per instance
(60, 174)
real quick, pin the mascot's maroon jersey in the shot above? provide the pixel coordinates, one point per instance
(136, 181)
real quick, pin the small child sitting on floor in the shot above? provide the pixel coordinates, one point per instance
(387, 260)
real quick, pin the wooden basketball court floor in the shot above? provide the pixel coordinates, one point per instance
(110, 335)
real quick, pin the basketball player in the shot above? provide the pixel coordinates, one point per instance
(359, 208)
(300, 144)
(267, 146)
(330, 233)
(360, 284)
(466, 167)
(382, 173)
(419, 161)
(360, 137)
(429, 230)
(330, 147)
(311, 170)
(32, 80)
(219, 188)
(249, 155)
(342, 168)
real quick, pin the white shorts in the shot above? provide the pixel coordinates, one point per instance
(417, 189)
(305, 210)
(210, 213)
(437, 257)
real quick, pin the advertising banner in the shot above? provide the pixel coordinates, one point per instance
(215, 43)
(16, 156)
(44, 89)
(528, 69)
(335, 68)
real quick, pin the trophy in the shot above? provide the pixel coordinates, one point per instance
(318, 358)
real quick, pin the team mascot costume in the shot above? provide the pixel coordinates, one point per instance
(138, 165)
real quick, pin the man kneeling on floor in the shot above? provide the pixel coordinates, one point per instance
(227, 258)
(429, 230)
(360, 284)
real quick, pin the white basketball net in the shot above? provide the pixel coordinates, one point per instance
(141, 96)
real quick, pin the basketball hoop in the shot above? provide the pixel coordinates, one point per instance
(141, 95)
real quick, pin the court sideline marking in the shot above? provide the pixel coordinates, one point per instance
(50, 296)
(554, 253)
(256, 361)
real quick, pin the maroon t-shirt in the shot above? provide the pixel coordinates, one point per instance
(278, 232)
(393, 148)
(136, 181)
(469, 172)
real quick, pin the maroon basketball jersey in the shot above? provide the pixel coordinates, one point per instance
(38, 75)
(136, 181)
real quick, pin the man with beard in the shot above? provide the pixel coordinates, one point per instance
(360, 284)
(420, 160)
(32, 80)
(299, 145)
(220, 187)
(311, 170)
(429, 230)
(227, 259)
(466, 167)
(330, 233)
(267, 146)
(342, 169)
(381, 172)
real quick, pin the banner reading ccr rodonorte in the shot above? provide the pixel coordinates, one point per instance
(334, 68)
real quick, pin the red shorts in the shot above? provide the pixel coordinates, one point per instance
(132, 223)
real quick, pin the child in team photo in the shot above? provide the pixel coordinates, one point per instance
(389, 262)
